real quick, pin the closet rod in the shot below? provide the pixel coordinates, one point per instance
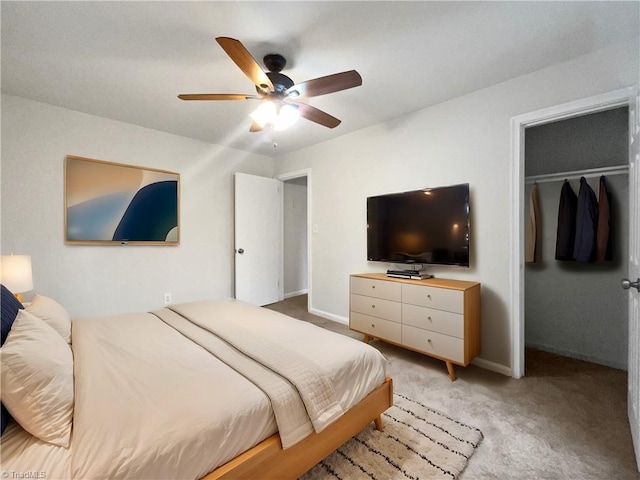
(589, 172)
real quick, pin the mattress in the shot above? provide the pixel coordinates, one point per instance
(152, 403)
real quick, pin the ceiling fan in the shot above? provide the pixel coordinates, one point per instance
(277, 91)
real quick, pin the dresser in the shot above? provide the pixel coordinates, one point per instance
(436, 316)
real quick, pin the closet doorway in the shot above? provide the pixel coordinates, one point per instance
(519, 124)
(574, 306)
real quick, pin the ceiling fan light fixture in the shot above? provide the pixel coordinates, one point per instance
(279, 117)
(265, 113)
(288, 115)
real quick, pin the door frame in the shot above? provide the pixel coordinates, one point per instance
(283, 177)
(597, 103)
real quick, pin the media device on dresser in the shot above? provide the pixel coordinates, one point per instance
(412, 274)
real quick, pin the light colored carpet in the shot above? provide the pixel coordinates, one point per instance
(417, 443)
(565, 420)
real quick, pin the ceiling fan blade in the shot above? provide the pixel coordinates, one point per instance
(217, 96)
(255, 127)
(317, 116)
(241, 56)
(328, 84)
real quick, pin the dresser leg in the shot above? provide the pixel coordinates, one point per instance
(452, 374)
(367, 338)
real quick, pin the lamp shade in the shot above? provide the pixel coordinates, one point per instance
(16, 274)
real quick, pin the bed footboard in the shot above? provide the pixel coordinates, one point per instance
(268, 460)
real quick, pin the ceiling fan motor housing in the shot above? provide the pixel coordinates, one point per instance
(275, 63)
(281, 83)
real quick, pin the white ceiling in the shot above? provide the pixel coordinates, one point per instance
(128, 60)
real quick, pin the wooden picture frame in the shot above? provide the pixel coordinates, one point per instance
(107, 203)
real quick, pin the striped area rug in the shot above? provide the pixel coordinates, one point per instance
(417, 443)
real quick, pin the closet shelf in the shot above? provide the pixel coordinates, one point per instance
(590, 172)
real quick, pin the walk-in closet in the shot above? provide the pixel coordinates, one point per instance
(574, 305)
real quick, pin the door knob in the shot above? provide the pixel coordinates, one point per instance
(241, 251)
(627, 284)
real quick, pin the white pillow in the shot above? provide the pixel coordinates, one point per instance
(36, 374)
(53, 313)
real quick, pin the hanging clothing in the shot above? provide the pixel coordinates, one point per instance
(586, 221)
(566, 233)
(532, 254)
(603, 237)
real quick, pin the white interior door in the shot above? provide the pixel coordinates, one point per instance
(633, 403)
(258, 239)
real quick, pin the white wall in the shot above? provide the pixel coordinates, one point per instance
(99, 280)
(463, 140)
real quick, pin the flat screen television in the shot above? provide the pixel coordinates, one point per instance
(428, 226)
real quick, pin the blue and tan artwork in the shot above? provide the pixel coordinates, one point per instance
(109, 202)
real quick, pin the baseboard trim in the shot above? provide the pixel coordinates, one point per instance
(493, 366)
(330, 316)
(295, 294)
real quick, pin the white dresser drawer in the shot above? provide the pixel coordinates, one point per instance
(438, 321)
(434, 297)
(376, 288)
(376, 327)
(376, 307)
(433, 343)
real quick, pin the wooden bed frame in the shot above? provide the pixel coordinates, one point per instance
(268, 460)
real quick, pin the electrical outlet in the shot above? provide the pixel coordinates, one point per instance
(167, 299)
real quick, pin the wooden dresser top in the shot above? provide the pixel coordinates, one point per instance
(433, 282)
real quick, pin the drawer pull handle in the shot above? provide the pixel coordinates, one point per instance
(373, 306)
(373, 286)
(429, 318)
(373, 325)
(429, 296)
(429, 340)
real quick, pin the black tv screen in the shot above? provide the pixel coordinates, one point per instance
(428, 226)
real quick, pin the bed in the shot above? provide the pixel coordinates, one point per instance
(211, 390)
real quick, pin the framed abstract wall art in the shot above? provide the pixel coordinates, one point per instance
(110, 203)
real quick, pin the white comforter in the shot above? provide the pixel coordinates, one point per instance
(251, 341)
(151, 403)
